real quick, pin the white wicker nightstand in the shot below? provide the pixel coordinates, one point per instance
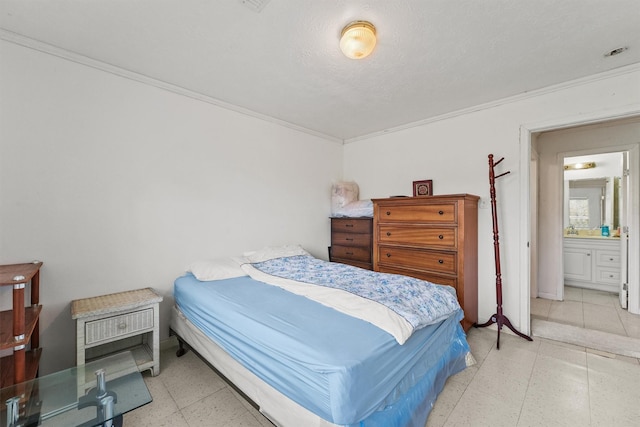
(121, 321)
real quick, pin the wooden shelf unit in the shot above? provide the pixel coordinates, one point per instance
(20, 326)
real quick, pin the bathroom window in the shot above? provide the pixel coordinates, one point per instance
(579, 212)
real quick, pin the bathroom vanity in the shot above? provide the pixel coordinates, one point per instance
(592, 262)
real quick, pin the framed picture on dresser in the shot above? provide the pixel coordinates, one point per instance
(423, 188)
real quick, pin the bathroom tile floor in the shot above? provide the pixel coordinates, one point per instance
(590, 309)
(539, 383)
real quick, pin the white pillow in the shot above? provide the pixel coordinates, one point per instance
(216, 269)
(272, 252)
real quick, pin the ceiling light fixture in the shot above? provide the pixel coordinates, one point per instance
(358, 39)
(578, 166)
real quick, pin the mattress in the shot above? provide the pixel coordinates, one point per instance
(340, 368)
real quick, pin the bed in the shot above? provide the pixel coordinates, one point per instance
(316, 343)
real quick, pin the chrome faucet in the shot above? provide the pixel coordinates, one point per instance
(572, 230)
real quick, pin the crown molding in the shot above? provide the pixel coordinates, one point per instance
(504, 101)
(27, 42)
(141, 78)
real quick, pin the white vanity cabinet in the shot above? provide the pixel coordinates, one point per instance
(592, 263)
(577, 263)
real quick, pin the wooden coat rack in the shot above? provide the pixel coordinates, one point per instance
(498, 318)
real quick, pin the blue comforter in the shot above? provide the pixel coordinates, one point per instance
(420, 302)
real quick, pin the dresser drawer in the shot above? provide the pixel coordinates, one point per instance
(351, 239)
(422, 275)
(354, 263)
(107, 328)
(351, 225)
(444, 262)
(351, 252)
(423, 236)
(433, 213)
(608, 258)
(608, 275)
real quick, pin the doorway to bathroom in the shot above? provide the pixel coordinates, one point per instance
(591, 294)
(584, 306)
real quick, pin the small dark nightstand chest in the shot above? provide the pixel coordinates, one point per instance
(352, 241)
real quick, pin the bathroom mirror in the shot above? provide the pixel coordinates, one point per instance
(592, 191)
(592, 203)
(587, 203)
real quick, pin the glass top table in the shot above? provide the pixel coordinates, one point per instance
(97, 393)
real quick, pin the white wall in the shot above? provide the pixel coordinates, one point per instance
(453, 152)
(117, 185)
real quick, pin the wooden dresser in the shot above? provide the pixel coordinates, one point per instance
(433, 238)
(352, 241)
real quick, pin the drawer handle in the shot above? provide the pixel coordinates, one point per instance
(441, 237)
(388, 255)
(440, 212)
(610, 259)
(122, 325)
(611, 276)
(349, 253)
(349, 239)
(440, 261)
(348, 225)
(388, 212)
(388, 233)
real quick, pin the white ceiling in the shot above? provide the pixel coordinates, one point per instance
(283, 62)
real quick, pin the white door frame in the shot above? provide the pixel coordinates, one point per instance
(526, 130)
(625, 216)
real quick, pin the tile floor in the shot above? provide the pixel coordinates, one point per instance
(539, 383)
(589, 309)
